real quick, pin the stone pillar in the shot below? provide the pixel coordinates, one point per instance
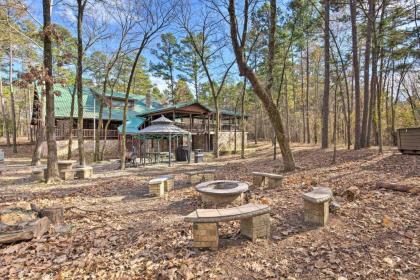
(205, 235)
(255, 227)
(157, 187)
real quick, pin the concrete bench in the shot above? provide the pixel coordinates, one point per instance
(316, 205)
(65, 164)
(67, 174)
(255, 223)
(38, 175)
(157, 186)
(83, 172)
(199, 176)
(271, 180)
(168, 183)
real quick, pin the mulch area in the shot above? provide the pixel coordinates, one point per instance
(115, 230)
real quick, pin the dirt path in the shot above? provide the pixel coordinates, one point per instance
(117, 231)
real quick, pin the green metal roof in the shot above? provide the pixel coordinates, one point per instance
(63, 96)
(133, 125)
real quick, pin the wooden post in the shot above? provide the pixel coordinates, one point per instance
(170, 149)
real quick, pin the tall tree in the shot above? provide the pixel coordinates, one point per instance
(326, 97)
(369, 18)
(209, 52)
(153, 16)
(238, 43)
(356, 75)
(81, 5)
(166, 53)
(52, 168)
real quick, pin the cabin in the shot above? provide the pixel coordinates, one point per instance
(196, 118)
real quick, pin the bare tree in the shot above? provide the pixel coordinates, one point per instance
(125, 24)
(208, 46)
(152, 16)
(238, 43)
(326, 97)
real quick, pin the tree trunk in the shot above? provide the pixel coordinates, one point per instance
(40, 132)
(356, 75)
(79, 81)
(335, 124)
(71, 120)
(374, 81)
(259, 90)
(308, 135)
(326, 97)
(52, 168)
(4, 114)
(365, 118)
(243, 120)
(12, 96)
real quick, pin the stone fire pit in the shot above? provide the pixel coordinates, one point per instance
(222, 192)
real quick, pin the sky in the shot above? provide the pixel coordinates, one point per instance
(63, 13)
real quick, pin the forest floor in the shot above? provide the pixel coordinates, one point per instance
(115, 230)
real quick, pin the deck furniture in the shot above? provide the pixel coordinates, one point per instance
(316, 205)
(222, 192)
(255, 223)
(157, 186)
(199, 176)
(271, 180)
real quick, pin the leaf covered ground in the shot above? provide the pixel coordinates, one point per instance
(115, 230)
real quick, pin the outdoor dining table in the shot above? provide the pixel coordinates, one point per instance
(157, 155)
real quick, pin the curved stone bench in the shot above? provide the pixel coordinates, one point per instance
(316, 205)
(262, 179)
(255, 223)
(199, 176)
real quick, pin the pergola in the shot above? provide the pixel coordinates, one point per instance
(163, 128)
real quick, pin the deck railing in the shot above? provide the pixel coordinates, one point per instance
(87, 134)
(202, 128)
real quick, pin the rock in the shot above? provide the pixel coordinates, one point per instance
(389, 261)
(334, 206)
(13, 216)
(341, 278)
(352, 193)
(60, 259)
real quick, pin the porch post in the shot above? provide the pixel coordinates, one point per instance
(170, 149)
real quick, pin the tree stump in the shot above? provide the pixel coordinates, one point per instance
(352, 193)
(55, 214)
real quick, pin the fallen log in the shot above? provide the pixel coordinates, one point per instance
(398, 187)
(23, 231)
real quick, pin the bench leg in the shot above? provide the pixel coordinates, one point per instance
(157, 189)
(256, 227)
(316, 213)
(67, 175)
(257, 181)
(208, 177)
(169, 184)
(274, 183)
(195, 179)
(205, 235)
